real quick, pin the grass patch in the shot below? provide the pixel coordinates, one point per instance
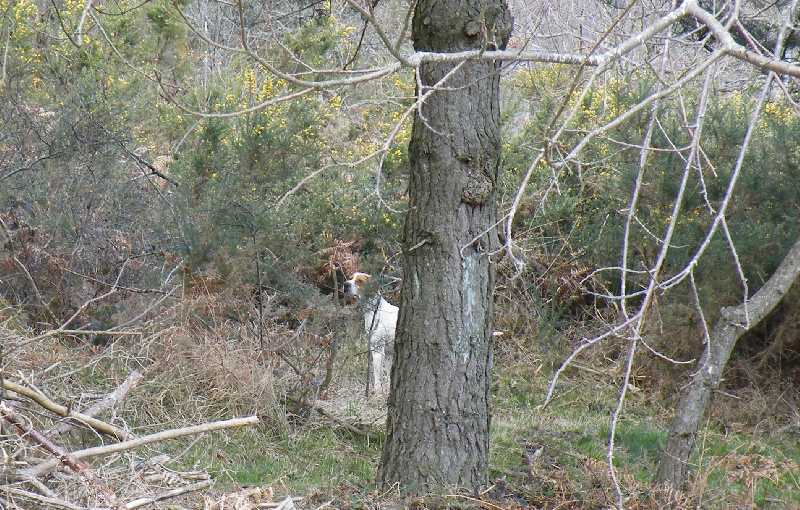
(309, 460)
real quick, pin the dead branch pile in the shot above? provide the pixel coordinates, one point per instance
(48, 418)
(37, 471)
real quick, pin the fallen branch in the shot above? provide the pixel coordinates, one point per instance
(65, 412)
(245, 499)
(47, 466)
(109, 400)
(79, 467)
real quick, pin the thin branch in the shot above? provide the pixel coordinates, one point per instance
(677, 85)
(723, 207)
(244, 49)
(731, 47)
(612, 434)
(384, 149)
(78, 34)
(7, 23)
(324, 412)
(614, 331)
(27, 273)
(308, 178)
(653, 285)
(393, 48)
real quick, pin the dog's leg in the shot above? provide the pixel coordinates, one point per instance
(387, 361)
(377, 365)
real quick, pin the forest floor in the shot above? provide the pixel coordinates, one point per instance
(322, 447)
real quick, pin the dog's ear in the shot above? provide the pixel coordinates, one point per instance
(362, 278)
(359, 281)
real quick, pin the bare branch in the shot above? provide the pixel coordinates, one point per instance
(42, 500)
(179, 491)
(731, 47)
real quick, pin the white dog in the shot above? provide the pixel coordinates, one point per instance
(380, 322)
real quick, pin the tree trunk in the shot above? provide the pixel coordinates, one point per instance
(438, 409)
(734, 322)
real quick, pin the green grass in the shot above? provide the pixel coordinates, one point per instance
(729, 469)
(304, 460)
(762, 469)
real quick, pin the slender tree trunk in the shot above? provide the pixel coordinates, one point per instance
(734, 322)
(438, 416)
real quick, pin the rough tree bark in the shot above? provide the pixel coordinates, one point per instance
(734, 322)
(438, 409)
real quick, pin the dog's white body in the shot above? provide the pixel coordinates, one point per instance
(380, 323)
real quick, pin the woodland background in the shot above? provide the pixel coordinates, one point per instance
(198, 250)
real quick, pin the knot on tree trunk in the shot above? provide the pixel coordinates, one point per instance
(477, 191)
(450, 25)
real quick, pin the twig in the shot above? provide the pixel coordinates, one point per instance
(43, 500)
(476, 500)
(150, 167)
(152, 305)
(282, 504)
(63, 328)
